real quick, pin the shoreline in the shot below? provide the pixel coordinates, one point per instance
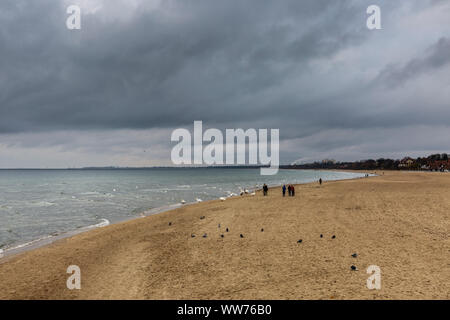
(46, 240)
(398, 221)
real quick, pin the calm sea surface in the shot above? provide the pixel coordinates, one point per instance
(37, 204)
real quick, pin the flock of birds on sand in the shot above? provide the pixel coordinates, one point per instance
(231, 194)
(242, 192)
(205, 235)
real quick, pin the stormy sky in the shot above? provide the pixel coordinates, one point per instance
(112, 92)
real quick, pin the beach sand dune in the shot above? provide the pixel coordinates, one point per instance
(399, 221)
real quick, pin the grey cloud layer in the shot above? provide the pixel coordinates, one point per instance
(437, 56)
(187, 60)
(306, 67)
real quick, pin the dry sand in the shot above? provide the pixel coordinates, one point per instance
(399, 221)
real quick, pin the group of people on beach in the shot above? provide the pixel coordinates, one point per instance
(290, 188)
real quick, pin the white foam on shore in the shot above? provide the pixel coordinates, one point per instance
(103, 223)
(29, 243)
(90, 193)
(47, 239)
(42, 204)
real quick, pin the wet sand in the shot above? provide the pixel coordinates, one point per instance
(399, 221)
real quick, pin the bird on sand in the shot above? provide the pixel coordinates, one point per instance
(353, 268)
(300, 241)
(354, 255)
(333, 237)
(241, 235)
(205, 235)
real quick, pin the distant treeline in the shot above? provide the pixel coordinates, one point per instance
(435, 162)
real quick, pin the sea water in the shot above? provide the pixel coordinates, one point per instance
(36, 205)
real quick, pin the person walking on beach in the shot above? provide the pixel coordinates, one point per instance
(293, 191)
(265, 189)
(289, 190)
(284, 190)
(320, 181)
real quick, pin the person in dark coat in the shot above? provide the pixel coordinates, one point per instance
(265, 189)
(284, 190)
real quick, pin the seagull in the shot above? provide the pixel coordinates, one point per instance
(262, 230)
(226, 230)
(221, 235)
(198, 200)
(300, 241)
(183, 202)
(333, 237)
(222, 198)
(354, 255)
(202, 217)
(170, 223)
(205, 235)
(241, 235)
(192, 235)
(353, 268)
(253, 194)
(321, 235)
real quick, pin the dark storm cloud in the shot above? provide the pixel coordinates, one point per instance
(437, 56)
(310, 68)
(193, 60)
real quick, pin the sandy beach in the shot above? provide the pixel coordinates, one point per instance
(399, 221)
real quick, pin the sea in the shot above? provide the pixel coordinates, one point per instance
(39, 205)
